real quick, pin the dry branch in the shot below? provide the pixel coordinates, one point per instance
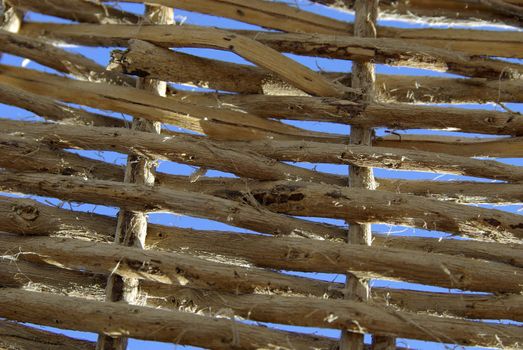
(147, 323)
(382, 157)
(394, 116)
(77, 10)
(185, 328)
(52, 110)
(195, 150)
(292, 19)
(144, 198)
(304, 199)
(389, 87)
(188, 69)
(386, 51)
(42, 158)
(27, 217)
(178, 147)
(438, 11)
(38, 277)
(59, 59)
(15, 336)
(218, 123)
(389, 51)
(164, 267)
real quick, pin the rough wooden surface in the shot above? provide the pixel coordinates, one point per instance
(45, 158)
(15, 336)
(146, 323)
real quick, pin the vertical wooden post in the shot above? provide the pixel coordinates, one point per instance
(363, 77)
(131, 229)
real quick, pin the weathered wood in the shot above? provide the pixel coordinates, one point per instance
(389, 87)
(304, 199)
(393, 116)
(147, 323)
(131, 229)
(39, 277)
(52, 110)
(15, 336)
(59, 59)
(217, 123)
(390, 51)
(45, 159)
(77, 10)
(188, 69)
(382, 157)
(195, 150)
(357, 288)
(27, 217)
(439, 11)
(386, 51)
(292, 19)
(145, 198)
(11, 18)
(178, 147)
(163, 267)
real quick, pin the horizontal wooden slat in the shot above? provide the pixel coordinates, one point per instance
(305, 199)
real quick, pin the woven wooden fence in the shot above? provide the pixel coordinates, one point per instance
(122, 277)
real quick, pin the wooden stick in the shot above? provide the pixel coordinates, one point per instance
(357, 288)
(77, 10)
(218, 123)
(16, 336)
(204, 72)
(269, 15)
(304, 199)
(382, 157)
(178, 147)
(390, 51)
(147, 323)
(142, 323)
(439, 11)
(265, 47)
(389, 87)
(211, 154)
(52, 110)
(59, 59)
(27, 217)
(162, 267)
(38, 277)
(43, 158)
(131, 229)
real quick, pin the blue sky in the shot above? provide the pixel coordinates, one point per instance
(101, 55)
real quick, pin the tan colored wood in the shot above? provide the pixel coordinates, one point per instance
(389, 87)
(52, 110)
(390, 51)
(27, 217)
(204, 72)
(44, 159)
(438, 11)
(304, 199)
(38, 277)
(212, 154)
(147, 323)
(382, 157)
(216, 122)
(163, 267)
(131, 228)
(77, 10)
(177, 147)
(363, 77)
(61, 60)
(15, 336)
(141, 322)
